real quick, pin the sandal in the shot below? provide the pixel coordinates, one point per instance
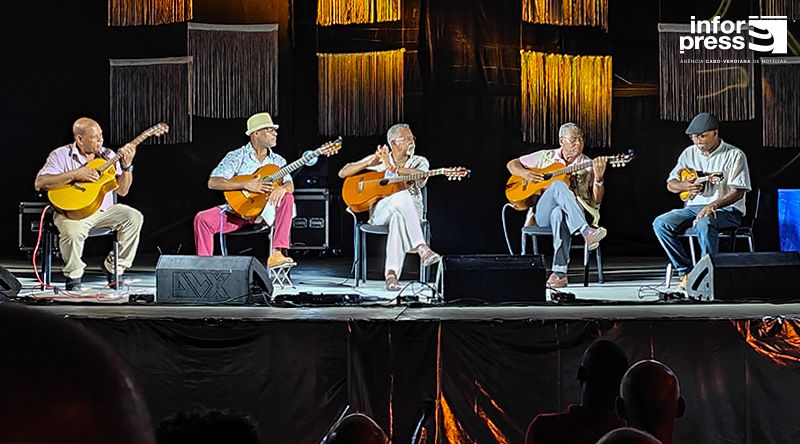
(428, 256)
(391, 282)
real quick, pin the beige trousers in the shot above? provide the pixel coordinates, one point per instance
(125, 220)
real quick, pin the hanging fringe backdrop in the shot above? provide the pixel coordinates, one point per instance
(561, 88)
(780, 101)
(148, 12)
(348, 12)
(235, 69)
(360, 94)
(790, 8)
(566, 12)
(147, 91)
(692, 83)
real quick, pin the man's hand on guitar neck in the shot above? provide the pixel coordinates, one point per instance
(126, 154)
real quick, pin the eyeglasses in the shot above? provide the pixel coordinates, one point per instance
(574, 139)
(403, 139)
(699, 136)
(272, 130)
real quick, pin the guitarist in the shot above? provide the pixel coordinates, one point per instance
(711, 207)
(246, 160)
(558, 206)
(401, 211)
(67, 164)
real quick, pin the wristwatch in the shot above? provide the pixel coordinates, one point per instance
(129, 168)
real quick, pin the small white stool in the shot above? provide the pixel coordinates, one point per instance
(280, 275)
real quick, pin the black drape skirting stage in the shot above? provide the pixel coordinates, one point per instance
(489, 376)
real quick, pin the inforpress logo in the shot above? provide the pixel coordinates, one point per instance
(767, 34)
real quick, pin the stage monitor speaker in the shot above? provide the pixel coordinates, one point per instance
(494, 278)
(740, 276)
(211, 280)
(9, 284)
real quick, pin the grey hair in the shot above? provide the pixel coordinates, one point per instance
(391, 134)
(566, 128)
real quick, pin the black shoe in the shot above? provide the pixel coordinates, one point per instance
(73, 284)
(110, 279)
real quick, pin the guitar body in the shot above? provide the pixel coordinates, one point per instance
(361, 191)
(79, 200)
(687, 175)
(246, 204)
(522, 194)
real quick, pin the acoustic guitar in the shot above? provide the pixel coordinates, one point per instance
(363, 190)
(250, 205)
(522, 194)
(698, 177)
(78, 200)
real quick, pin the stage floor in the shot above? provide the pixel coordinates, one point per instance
(632, 290)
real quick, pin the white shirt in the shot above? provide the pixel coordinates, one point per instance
(726, 159)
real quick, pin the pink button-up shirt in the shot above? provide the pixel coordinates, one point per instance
(69, 157)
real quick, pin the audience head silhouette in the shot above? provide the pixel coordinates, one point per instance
(650, 399)
(63, 384)
(600, 373)
(628, 435)
(357, 428)
(202, 426)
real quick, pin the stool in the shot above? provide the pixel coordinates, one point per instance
(280, 275)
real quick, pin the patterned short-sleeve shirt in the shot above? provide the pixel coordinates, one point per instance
(244, 161)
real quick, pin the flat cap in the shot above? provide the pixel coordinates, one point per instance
(701, 123)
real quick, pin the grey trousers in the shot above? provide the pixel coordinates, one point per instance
(559, 209)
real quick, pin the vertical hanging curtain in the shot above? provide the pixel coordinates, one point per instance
(780, 101)
(702, 81)
(789, 8)
(147, 91)
(348, 12)
(235, 69)
(566, 12)
(148, 12)
(360, 94)
(561, 88)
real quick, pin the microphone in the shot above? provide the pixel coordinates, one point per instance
(425, 415)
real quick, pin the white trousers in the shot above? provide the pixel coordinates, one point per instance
(405, 228)
(125, 220)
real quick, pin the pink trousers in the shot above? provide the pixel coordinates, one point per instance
(209, 222)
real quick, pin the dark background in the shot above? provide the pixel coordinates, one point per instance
(462, 100)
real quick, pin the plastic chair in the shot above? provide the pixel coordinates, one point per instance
(360, 231)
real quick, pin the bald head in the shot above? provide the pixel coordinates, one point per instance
(82, 125)
(650, 398)
(357, 428)
(628, 435)
(64, 384)
(88, 135)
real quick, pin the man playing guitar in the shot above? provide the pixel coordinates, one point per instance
(66, 165)
(558, 206)
(709, 207)
(402, 211)
(246, 160)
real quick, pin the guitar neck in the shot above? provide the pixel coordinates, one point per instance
(135, 142)
(294, 166)
(571, 169)
(416, 176)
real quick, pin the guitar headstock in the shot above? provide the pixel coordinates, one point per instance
(621, 160)
(332, 147)
(456, 173)
(155, 130)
